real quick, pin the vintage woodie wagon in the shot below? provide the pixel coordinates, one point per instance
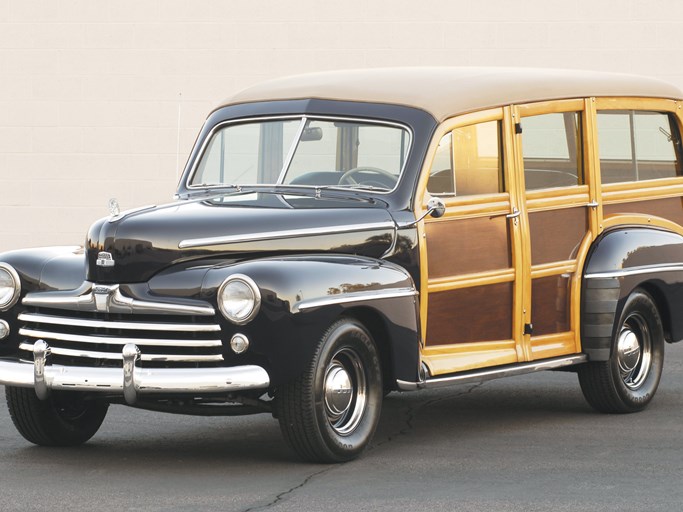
(341, 235)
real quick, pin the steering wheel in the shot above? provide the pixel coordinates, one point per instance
(349, 179)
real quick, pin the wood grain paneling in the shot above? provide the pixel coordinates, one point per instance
(481, 313)
(550, 304)
(555, 234)
(670, 208)
(466, 246)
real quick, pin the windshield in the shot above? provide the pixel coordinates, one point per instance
(304, 151)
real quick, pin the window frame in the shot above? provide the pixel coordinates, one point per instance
(409, 147)
(614, 192)
(500, 200)
(558, 107)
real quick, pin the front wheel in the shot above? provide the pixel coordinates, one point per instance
(330, 412)
(627, 382)
(64, 419)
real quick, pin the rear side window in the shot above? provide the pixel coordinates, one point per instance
(638, 145)
(551, 145)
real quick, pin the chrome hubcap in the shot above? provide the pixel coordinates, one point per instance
(634, 351)
(338, 390)
(345, 391)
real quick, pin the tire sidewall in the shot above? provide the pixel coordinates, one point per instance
(351, 335)
(642, 303)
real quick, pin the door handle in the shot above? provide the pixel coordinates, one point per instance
(593, 204)
(515, 213)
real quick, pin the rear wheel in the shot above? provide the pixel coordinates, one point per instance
(64, 419)
(627, 382)
(329, 413)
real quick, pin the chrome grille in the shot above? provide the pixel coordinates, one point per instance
(97, 339)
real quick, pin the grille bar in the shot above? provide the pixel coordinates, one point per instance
(79, 338)
(104, 324)
(118, 357)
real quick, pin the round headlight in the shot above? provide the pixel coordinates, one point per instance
(10, 286)
(239, 299)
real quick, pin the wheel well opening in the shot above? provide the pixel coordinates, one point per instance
(662, 306)
(374, 323)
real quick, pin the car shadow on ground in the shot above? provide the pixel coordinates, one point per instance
(138, 438)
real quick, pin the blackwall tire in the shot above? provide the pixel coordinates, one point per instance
(65, 419)
(629, 380)
(330, 413)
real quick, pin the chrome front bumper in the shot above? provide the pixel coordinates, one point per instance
(131, 380)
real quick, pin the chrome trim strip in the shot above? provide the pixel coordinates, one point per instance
(150, 342)
(151, 380)
(353, 297)
(210, 135)
(485, 374)
(652, 269)
(112, 302)
(278, 235)
(115, 356)
(104, 324)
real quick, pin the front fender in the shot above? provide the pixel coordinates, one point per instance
(303, 295)
(48, 268)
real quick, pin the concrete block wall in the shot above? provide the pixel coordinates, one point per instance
(102, 99)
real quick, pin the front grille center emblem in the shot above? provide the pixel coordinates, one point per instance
(105, 259)
(103, 295)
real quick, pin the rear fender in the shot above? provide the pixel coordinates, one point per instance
(619, 261)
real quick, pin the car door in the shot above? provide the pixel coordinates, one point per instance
(558, 221)
(472, 256)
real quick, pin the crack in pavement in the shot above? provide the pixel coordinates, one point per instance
(410, 413)
(281, 497)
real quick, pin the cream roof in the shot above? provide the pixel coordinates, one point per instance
(444, 91)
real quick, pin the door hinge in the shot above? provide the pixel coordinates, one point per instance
(518, 128)
(528, 329)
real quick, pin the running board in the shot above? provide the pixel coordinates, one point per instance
(482, 375)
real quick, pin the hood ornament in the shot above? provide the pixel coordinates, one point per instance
(104, 259)
(114, 209)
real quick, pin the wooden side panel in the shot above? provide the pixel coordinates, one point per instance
(550, 304)
(670, 208)
(555, 234)
(481, 313)
(465, 246)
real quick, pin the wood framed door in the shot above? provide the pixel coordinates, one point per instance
(472, 282)
(558, 219)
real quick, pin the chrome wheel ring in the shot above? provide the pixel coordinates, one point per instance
(634, 351)
(345, 390)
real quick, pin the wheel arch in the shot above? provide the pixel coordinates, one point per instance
(377, 326)
(644, 253)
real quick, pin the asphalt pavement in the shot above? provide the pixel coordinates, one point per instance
(519, 444)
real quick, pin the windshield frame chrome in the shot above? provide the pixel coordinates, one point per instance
(304, 119)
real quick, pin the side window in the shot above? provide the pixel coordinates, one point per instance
(468, 161)
(552, 150)
(638, 145)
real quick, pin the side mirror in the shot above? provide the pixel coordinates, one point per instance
(436, 208)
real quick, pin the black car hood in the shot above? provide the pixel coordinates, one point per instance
(144, 242)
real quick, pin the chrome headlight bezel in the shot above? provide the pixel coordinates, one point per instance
(14, 276)
(255, 300)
